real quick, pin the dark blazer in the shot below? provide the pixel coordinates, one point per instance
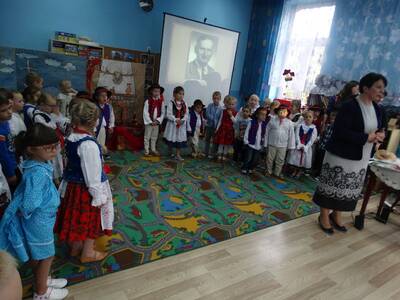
(348, 137)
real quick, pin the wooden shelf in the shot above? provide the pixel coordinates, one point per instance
(82, 50)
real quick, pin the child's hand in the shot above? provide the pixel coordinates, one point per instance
(230, 113)
(110, 130)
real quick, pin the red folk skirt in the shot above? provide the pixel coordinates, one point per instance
(225, 134)
(77, 219)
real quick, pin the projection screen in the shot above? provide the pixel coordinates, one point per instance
(198, 56)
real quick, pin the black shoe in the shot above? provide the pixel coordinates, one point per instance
(326, 230)
(335, 225)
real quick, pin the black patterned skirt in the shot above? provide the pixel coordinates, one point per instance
(341, 181)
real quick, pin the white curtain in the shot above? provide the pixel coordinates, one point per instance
(303, 34)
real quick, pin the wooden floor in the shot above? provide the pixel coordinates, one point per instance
(294, 260)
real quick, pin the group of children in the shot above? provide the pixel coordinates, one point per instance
(287, 135)
(70, 196)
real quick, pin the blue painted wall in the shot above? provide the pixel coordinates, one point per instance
(119, 23)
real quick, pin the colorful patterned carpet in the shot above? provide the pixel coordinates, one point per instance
(164, 207)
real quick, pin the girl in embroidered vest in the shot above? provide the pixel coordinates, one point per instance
(106, 122)
(225, 133)
(175, 130)
(86, 210)
(279, 137)
(43, 114)
(153, 115)
(195, 127)
(31, 96)
(242, 120)
(27, 225)
(306, 134)
(254, 140)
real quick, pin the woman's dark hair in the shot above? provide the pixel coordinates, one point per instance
(36, 135)
(5, 96)
(369, 80)
(178, 89)
(346, 92)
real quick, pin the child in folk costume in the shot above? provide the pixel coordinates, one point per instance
(31, 97)
(175, 130)
(253, 102)
(274, 105)
(65, 96)
(106, 122)
(195, 127)
(28, 222)
(254, 140)
(153, 116)
(17, 123)
(306, 134)
(7, 152)
(225, 133)
(212, 115)
(325, 137)
(279, 137)
(242, 120)
(295, 114)
(86, 211)
(43, 114)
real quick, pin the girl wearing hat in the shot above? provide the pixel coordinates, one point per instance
(153, 115)
(106, 123)
(279, 137)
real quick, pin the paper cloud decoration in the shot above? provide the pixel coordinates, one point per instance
(69, 67)
(7, 62)
(52, 62)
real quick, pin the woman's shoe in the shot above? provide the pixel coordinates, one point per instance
(336, 225)
(326, 230)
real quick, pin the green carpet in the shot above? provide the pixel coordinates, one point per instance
(164, 207)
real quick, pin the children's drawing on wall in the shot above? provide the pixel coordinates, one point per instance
(117, 76)
(8, 77)
(52, 67)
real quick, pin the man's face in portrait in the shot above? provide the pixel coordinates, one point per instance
(204, 51)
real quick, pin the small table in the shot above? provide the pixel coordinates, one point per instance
(389, 175)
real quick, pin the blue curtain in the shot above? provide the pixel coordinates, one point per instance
(263, 33)
(365, 37)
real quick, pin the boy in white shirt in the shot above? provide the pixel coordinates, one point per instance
(279, 137)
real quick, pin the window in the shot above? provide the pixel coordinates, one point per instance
(303, 36)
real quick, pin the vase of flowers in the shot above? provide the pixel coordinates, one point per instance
(288, 76)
